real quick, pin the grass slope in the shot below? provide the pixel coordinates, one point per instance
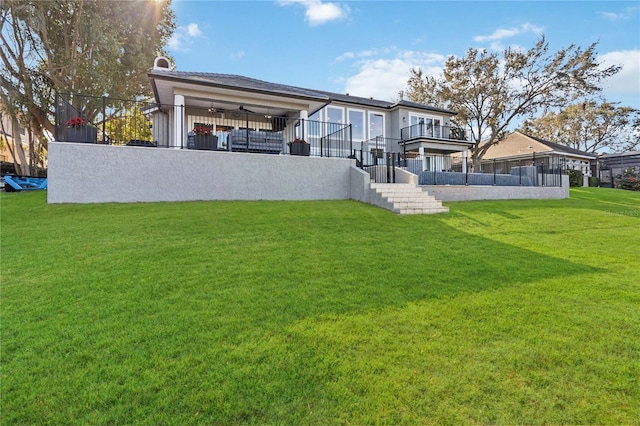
(320, 312)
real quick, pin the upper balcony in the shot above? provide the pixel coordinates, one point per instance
(434, 138)
(430, 131)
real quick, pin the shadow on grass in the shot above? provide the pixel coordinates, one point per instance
(184, 310)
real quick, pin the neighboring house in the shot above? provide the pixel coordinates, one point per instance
(517, 145)
(10, 155)
(227, 104)
(612, 167)
(7, 133)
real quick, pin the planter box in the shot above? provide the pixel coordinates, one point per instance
(85, 134)
(299, 149)
(203, 142)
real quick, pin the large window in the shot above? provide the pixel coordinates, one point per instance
(335, 115)
(355, 117)
(313, 127)
(335, 119)
(423, 125)
(376, 125)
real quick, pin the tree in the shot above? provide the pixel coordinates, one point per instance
(589, 126)
(96, 47)
(489, 91)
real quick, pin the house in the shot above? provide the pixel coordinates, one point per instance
(612, 167)
(264, 116)
(209, 136)
(16, 158)
(518, 145)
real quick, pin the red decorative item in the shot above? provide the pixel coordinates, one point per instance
(76, 122)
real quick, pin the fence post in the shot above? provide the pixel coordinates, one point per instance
(56, 130)
(494, 171)
(396, 162)
(104, 117)
(182, 126)
(466, 170)
(520, 170)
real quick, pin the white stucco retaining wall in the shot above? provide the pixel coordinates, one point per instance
(472, 192)
(90, 173)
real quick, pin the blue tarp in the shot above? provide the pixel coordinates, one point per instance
(24, 183)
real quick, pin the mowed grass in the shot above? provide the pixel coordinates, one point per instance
(336, 312)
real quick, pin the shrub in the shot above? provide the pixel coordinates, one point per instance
(630, 180)
(575, 178)
(630, 183)
(594, 181)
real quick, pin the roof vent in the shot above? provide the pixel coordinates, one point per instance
(161, 63)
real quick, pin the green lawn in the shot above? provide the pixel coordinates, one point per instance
(336, 312)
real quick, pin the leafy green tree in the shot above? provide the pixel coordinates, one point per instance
(589, 126)
(95, 47)
(490, 90)
(129, 123)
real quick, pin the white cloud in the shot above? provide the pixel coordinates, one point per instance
(627, 81)
(318, 12)
(504, 33)
(193, 30)
(183, 36)
(237, 55)
(346, 55)
(382, 78)
(614, 16)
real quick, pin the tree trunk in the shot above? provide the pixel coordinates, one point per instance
(22, 167)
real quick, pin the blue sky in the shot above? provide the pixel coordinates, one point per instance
(366, 48)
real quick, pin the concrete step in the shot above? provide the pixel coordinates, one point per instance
(421, 211)
(405, 199)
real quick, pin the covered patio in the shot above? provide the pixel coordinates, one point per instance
(235, 113)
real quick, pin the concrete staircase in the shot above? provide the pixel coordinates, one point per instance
(405, 198)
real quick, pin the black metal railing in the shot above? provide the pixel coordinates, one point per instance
(434, 169)
(139, 123)
(380, 165)
(99, 119)
(432, 131)
(338, 142)
(451, 170)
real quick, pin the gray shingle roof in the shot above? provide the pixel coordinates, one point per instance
(238, 81)
(562, 148)
(252, 84)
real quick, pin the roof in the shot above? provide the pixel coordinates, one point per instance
(237, 81)
(562, 148)
(255, 85)
(620, 154)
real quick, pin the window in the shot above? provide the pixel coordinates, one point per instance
(376, 125)
(356, 119)
(423, 125)
(335, 115)
(335, 119)
(313, 127)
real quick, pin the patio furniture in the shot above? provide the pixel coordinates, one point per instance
(259, 141)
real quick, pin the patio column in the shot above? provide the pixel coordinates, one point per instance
(465, 153)
(178, 122)
(424, 159)
(304, 117)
